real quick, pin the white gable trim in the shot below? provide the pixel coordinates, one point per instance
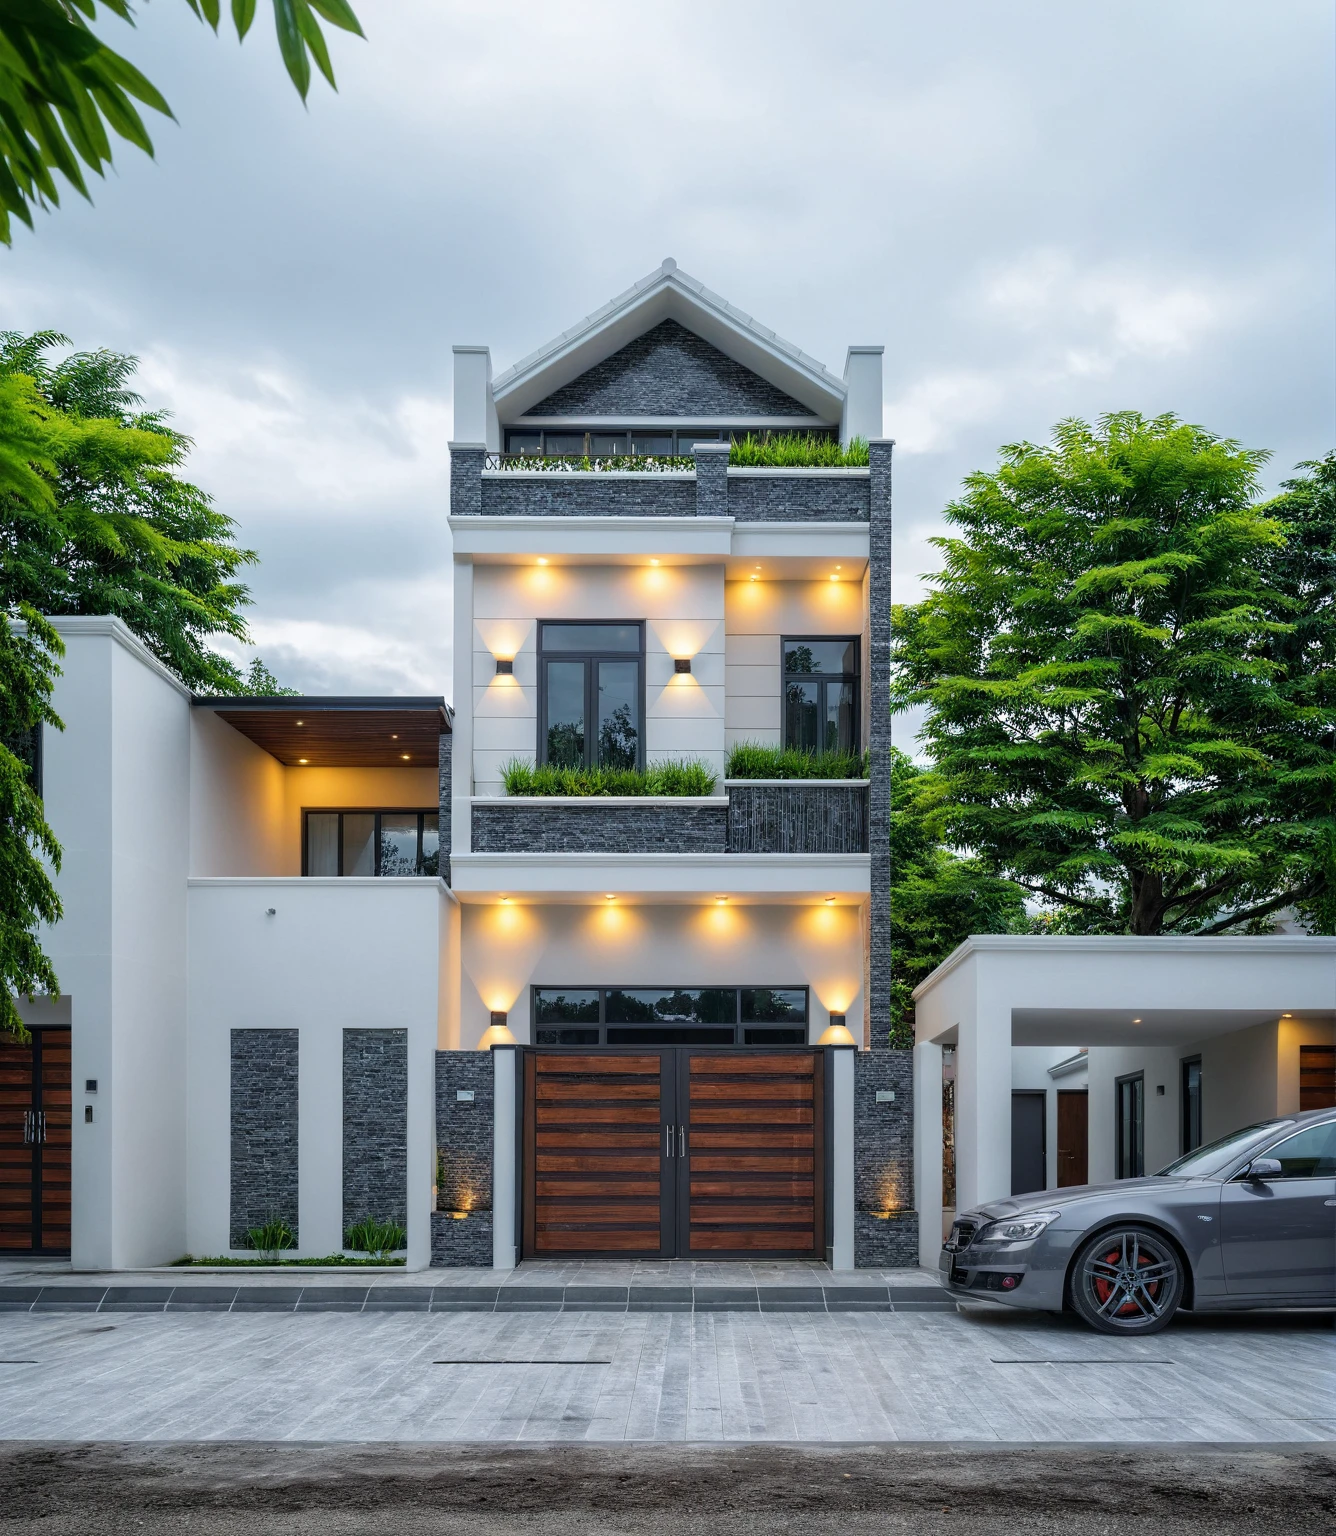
(668, 294)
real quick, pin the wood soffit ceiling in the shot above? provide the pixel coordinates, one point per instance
(337, 734)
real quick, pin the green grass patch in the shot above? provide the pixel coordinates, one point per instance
(684, 776)
(797, 450)
(752, 760)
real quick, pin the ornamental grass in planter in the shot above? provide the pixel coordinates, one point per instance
(754, 760)
(683, 776)
(797, 450)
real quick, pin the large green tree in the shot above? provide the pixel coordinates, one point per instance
(63, 91)
(1127, 667)
(937, 898)
(95, 518)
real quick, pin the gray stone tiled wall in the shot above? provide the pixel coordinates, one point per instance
(463, 1158)
(669, 371)
(264, 1130)
(879, 746)
(510, 826)
(582, 495)
(884, 1160)
(798, 498)
(444, 762)
(797, 818)
(375, 1125)
(466, 461)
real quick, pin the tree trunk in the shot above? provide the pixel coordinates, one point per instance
(1147, 914)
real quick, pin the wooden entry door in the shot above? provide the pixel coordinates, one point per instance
(35, 1141)
(751, 1182)
(1073, 1137)
(670, 1152)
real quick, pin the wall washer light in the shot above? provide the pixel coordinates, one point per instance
(505, 666)
(721, 901)
(830, 901)
(682, 664)
(654, 562)
(609, 897)
(542, 559)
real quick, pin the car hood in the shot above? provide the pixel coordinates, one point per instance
(1059, 1199)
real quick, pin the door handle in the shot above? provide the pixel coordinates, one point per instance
(1329, 1202)
(667, 1141)
(681, 1141)
(27, 1127)
(42, 1124)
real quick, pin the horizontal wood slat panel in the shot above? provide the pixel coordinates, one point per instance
(752, 1114)
(564, 1089)
(762, 1088)
(769, 1137)
(598, 1242)
(610, 1138)
(611, 1065)
(762, 1212)
(597, 1114)
(710, 1162)
(792, 1239)
(799, 1064)
(569, 1189)
(555, 1162)
(643, 1212)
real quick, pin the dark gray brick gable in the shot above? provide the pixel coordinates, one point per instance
(669, 372)
(264, 1130)
(375, 1125)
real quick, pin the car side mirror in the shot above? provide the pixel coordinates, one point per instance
(1263, 1168)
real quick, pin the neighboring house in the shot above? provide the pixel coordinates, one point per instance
(291, 922)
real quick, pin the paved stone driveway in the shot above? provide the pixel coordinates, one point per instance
(980, 1375)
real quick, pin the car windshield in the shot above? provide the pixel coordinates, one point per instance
(1216, 1155)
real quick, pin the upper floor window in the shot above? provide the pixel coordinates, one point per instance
(371, 843)
(609, 442)
(821, 692)
(591, 686)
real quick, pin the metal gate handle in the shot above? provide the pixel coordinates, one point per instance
(41, 1115)
(667, 1141)
(27, 1127)
(682, 1141)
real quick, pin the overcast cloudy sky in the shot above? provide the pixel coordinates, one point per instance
(1041, 209)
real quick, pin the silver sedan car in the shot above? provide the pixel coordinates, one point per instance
(1248, 1221)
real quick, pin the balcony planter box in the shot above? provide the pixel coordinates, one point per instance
(533, 493)
(797, 815)
(600, 824)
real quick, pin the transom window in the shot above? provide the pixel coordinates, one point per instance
(591, 694)
(821, 692)
(670, 1015)
(371, 843)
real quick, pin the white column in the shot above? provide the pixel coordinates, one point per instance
(461, 755)
(862, 403)
(928, 1149)
(474, 411)
(505, 1218)
(983, 1103)
(842, 1158)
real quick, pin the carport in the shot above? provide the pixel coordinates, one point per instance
(1247, 1006)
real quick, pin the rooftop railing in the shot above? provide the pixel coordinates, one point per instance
(571, 464)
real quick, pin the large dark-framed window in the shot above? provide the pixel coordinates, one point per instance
(608, 442)
(821, 693)
(1190, 1090)
(591, 693)
(1130, 1125)
(363, 842)
(758, 1016)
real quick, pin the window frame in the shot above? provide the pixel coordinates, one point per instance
(590, 660)
(1186, 1144)
(671, 429)
(856, 678)
(740, 1026)
(1136, 1164)
(377, 812)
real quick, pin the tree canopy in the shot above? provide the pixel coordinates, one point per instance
(1129, 673)
(62, 89)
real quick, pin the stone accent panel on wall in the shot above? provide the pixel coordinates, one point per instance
(375, 1125)
(264, 1131)
(879, 747)
(465, 1113)
(511, 826)
(837, 497)
(539, 493)
(445, 763)
(669, 371)
(797, 818)
(885, 1225)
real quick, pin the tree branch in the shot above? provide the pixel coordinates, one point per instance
(1261, 910)
(1058, 896)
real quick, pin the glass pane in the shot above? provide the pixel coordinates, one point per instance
(801, 713)
(359, 843)
(322, 843)
(671, 1035)
(774, 1037)
(652, 442)
(431, 844)
(398, 843)
(607, 442)
(567, 1037)
(591, 637)
(564, 444)
(1309, 1155)
(561, 1007)
(524, 442)
(687, 440)
(703, 1005)
(565, 713)
(618, 713)
(774, 1005)
(841, 715)
(830, 658)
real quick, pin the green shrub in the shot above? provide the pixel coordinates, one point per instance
(270, 1239)
(752, 760)
(684, 776)
(378, 1238)
(797, 450)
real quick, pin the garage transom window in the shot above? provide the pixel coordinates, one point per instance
(670, 1015)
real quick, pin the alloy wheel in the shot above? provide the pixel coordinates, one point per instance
(1127, 1281)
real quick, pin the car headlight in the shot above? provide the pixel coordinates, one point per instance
(1017, 1229)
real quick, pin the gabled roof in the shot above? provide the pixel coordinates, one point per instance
(668, 293)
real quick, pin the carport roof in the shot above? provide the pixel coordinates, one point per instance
(339, 731)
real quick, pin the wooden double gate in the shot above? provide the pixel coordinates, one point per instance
(673, 1152)
(35, 1142)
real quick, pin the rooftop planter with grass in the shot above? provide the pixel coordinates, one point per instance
(753, 760)
(680, 777)
(797, 450)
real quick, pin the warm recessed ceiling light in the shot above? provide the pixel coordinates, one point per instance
(542, 560)
(654, 562)
(834, 577)
(830, 901)
(301, 759)
(301, 722)
(505, 901)
(752, 578)
(394, 738)
(405, 756)
(610, 897)
(1136, 1021)
(1287, 1015)
(721, 901)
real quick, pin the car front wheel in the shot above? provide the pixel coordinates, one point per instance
(1127, 1281)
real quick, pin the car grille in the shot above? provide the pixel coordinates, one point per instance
(962, 1235)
